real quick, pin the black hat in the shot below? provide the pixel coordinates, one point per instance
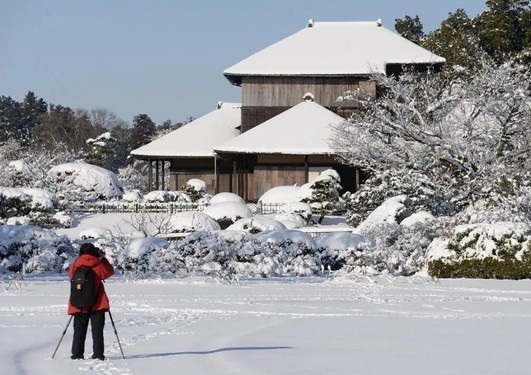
(88, 248)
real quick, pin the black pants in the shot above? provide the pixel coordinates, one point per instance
(81, 321)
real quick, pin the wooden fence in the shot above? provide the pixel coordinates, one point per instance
(169, 207)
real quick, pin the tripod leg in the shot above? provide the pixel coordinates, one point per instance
(63, 335)
(116, 333)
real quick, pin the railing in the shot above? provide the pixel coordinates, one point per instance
(173, 207)
(113, 207)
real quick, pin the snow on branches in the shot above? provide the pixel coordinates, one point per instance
(461, 133)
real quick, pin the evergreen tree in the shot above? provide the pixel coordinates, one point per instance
(410, 28)
(121, 133)
(31, 111)
(456, 41)
(501, 27)
(10, 119)
(101, 151)
(143, 131)
(526, 28)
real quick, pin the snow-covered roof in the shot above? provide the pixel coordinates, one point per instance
(197, 138)
(301, 130)
(333, 49)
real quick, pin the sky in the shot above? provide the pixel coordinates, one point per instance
(164, 58)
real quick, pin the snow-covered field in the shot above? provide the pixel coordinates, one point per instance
(278, 326)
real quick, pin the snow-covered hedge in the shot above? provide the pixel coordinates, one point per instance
(83, 182)
(41, 250)
(483, 250)
(224, 254)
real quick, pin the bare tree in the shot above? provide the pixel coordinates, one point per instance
(461, 134)
(104, 119)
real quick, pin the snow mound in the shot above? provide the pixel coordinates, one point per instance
(163, 196)
(38, 197)
(257, 224)
(280, 195)
(483, 240)
(85, 181)
(191, 222)
(281, 236)
(198, 184)
(418, 217)
(341, 240)
(226, 197)
(229, 210)
(389, 212)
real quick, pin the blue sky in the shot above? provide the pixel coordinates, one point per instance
(164, 57)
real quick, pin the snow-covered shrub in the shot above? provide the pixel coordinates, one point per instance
(64, 220)
(391, 211)
(420, 191)
(101, 151)
(280, 195)
(301, 209)
(196, 189)
(191, 221)
(13, 205)
(134, 176)
(227, 213)
(132, 196)
(256, 224)
(141, 256)
(483, 250)
(226, 197)
(323, 192)
(82, 182)
(341, 250)
(163, 196)
(294, 250)
(41, 250)
(226, 254)
(19, 174)
(399, 249)
(28, 206)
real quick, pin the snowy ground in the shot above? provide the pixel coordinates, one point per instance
(289, 326)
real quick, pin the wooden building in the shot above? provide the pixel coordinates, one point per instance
(327, 64)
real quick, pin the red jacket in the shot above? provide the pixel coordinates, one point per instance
(103, 270)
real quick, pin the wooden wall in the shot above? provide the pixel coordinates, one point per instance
(289, 91)
(184, 169)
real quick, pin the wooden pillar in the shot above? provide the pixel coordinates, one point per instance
(157, 174)
(306, 169)
(216, 175)
(245, 194)
(235, 177)
(162, 179)
(357, 179)
(150, 175)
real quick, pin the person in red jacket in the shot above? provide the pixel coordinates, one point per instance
(91, 256)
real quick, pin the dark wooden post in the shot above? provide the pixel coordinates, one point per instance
(163, 187)
(157, 174)
(306, 169)
(235, 177)
(150, 175)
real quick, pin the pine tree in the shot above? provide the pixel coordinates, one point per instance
(501, 29)
(455, 40)
(10, 119)
(31, 111)
(410, 28)
(101, 151)
(143, 131)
